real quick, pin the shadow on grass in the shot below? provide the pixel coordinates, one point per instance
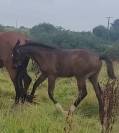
(6, 93)
(3, 80)
(88, 110)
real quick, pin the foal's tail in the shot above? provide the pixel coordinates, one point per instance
(110, 69)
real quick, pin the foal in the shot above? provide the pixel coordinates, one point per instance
(53, 63)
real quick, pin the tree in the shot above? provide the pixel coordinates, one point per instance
(114, 30)
(1, 28)
(101, 32)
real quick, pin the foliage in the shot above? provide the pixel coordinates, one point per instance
(57, 36)
(1, 28)
(101, 32)
(114, 30)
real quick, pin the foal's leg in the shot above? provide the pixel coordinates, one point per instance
(51, 86)
(98, 92)
(82, 92)
(21, 84)
(27, 80)
(36, 84)
(17, 90)
(24, 81)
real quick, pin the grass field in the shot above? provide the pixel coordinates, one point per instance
(43, 117)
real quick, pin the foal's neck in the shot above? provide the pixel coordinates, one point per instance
(33, 50)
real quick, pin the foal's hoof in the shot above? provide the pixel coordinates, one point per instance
(23, 99)
(17, 100)
(29, 98)
(72, 109)
(65, 113)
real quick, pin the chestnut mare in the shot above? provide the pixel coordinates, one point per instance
(53, 63)
(7, 43)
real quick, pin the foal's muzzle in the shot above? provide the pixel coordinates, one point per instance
(16, 66)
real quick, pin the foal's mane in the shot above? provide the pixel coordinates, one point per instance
(39, 45)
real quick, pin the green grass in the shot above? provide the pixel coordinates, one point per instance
(43, 117)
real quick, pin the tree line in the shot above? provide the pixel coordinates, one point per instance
(101, 39)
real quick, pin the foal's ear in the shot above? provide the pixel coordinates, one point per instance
(17, 43)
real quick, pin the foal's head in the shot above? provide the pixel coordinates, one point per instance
(17, 55)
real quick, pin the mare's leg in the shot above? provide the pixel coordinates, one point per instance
(36, 84)
(98, 92)
(82, 92)
(16, 77)
(13, 76)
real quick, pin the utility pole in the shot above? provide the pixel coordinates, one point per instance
(16, 24)
(108, 26)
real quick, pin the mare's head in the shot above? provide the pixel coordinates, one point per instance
(18, 57)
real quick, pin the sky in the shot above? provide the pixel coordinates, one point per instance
(77, 15)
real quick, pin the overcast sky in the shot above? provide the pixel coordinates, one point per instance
(78, 15)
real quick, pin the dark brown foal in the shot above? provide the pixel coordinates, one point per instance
(53, 63)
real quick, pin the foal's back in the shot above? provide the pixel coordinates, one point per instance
(69, 62)
(77, 62)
